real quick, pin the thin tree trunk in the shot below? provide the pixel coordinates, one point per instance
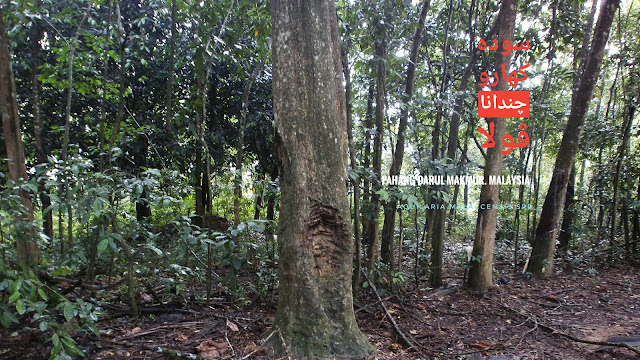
(38, 128)
(367, 221)
(27, 247)
(636, 225)
(105, 81)
(355, 180)
(620, 160)
(625, 222)
(121, 88)
(237, 192)
(541, 260)
(381, 72)
(398, 156)
(564, 238)
(481, 271)
(172, 60)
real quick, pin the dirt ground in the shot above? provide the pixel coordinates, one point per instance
(522, 319)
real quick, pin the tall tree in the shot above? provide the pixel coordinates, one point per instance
(398, 155)
(315, 311)
(28, 252)
(541, 260)
(481, 271)
(380, 56)
(35, 36)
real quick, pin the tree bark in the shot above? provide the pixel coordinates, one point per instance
(121, 88)
(315, 309)
(541, 260)
(619, 162)
(388, 228)
(38, 128)
(28, 252)
(380, 112)
(481, 271)
(564, 238)
(237, 191)
(172, 60)
(355, 181)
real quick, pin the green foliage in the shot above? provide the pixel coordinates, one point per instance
(28, 299)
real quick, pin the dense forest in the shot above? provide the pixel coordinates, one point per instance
(295, 179)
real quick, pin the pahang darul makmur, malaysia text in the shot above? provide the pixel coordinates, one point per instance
(418, 180)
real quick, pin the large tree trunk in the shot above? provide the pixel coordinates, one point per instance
(481, 271)
(315, 314)
(28, 252)
(388, 228)
(541, 260)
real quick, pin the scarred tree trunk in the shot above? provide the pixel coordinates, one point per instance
(481, 271)
(28, 252)
(315, 312)
(541, 260)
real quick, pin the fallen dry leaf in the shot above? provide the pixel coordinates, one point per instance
(211, 349)
(232, 326)
(136, 330)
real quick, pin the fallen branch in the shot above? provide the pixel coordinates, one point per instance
(403, 337)
(171, 354)
(568, 336)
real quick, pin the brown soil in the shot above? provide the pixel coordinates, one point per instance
(523, 319)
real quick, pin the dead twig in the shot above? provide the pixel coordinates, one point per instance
(406, 340)
(553, 330)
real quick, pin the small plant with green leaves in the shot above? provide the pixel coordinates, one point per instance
(27, 297)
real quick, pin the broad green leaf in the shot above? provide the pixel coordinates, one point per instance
(102, 246)
(20, 307)
(68, 311)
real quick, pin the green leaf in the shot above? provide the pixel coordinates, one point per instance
(155, 249)
(68, 311)
(102, 246)
(43, 295)
(70, 345)
(15, 296)
(20, 307)
(97, 207)
(237, 263)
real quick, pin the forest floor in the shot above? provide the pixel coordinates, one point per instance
(522, 319)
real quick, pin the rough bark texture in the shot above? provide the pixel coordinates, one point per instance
(541, 260)
(398, 156)
(481, 272)
(315, 312)
(27, 248)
